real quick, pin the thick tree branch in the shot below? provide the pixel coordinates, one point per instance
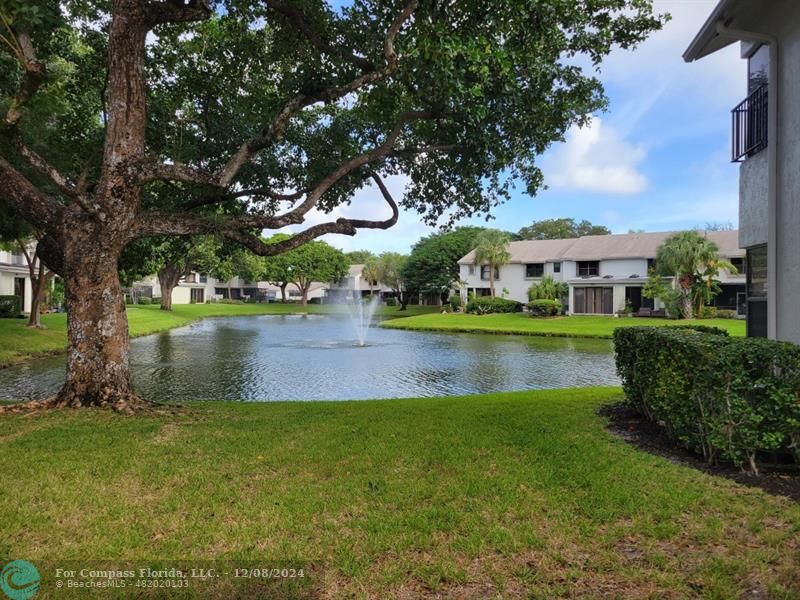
(296, 17)
(34, 206)
(261, 191)
(341, 226)
(31, 81)
(176, 172)
(177, 11)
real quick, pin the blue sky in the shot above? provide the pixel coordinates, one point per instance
(657, 160)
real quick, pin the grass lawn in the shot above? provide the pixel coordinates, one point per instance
(523, 324)
(505, 495)
(18, 343)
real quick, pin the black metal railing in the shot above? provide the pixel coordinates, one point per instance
(750, 120)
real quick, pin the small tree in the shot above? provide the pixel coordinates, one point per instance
(390, 268)
(492, 250)
(359, 257)
(372, 272)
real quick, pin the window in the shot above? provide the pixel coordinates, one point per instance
(556, 267)
(471, 269)
(534, 270)
(651, 264)
(757, 291)
(17, 258)
(485, 273)
(758, 69)
(588, 268)
(203, 278)
(740, 265)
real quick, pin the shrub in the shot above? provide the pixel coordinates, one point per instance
(485, 305)
(707, 312)
(144, 300)
(10, 306)
(391, 302)
(455, 302)
(729, 398)
(726, 314)
(228, 301)
(544, 308)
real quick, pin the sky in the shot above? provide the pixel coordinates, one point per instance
(657, 160)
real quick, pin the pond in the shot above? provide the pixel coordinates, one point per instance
(315, 357)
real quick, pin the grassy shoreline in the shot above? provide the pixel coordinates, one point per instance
(513, 495)
(19, 344)
(598, 327)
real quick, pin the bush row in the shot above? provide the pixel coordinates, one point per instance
(484, 305)
(728, 398)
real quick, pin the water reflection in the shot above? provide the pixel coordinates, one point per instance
(316, 357)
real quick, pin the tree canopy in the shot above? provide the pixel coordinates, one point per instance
(491, 248)
(556, 229)
(432, 267)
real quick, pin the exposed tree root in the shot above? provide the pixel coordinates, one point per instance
(127, 404)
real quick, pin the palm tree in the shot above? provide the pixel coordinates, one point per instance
(492, 250)
(548, 289)
(371, 272)
(686, 256)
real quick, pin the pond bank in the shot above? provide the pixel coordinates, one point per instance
(578, 326)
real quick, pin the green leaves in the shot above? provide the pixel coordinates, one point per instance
(727, 398)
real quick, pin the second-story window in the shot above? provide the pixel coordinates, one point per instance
(556, 267)
(588, 268)
(740, 264)
(651, 264)
(485, 273)
(534, 270)
(203, 278)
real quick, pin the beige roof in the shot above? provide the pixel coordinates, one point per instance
(530, 251)
(607, 247)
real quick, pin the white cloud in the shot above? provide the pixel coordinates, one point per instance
(596, 159)
(368, 203)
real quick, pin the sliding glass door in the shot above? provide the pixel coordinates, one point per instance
(594, 300)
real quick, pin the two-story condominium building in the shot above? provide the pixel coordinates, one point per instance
(604, 272)
(197, 288)
(766, 141)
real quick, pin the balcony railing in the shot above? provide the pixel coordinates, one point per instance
(750, 120)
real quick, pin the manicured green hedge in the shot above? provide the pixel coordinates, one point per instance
(544, 308)
(10, 306)
(728, 398)
(484, 305)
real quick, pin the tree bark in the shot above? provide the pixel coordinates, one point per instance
(491, 279)
(39, 289)
(98, 371)
(283, 292)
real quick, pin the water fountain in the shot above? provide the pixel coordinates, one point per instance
(361, 314)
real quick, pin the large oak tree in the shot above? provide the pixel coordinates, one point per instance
(259, 112)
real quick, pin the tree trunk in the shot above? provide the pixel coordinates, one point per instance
(168, 277)
(304, 297)
(39, 287)
(686, 301)
(98, 371)
(404, 298)
(283, 292)
(491, 279)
